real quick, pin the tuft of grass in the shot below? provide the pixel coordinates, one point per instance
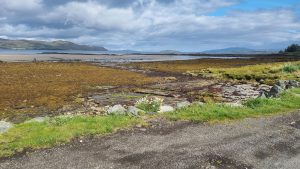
(58, 130)
(290, 68)
(252, 108)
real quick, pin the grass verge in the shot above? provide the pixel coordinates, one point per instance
(57, 131)
(289, 101)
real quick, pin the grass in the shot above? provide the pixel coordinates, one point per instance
(290, 68)
(57, 131)
(268, 72)
(30, 88)
(252, 108)
(61, 130)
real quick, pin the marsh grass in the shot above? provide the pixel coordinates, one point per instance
(252, 108)
(57, 131)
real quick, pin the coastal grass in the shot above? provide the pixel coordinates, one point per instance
(288, 101)
(59, 130)
(270, 72)
(63, 129)
(27, 89)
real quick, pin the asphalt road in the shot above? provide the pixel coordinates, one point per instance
(263, 143)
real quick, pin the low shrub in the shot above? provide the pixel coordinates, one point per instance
(149, 104)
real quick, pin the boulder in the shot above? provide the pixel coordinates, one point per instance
(293, 83)
(282, 83)
(4, 126)
(275, 91)
(166, 108)
(183, 104)
(134, 111)
(117, 110)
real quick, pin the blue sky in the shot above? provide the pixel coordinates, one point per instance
(154, 25)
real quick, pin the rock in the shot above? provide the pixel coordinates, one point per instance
(99, 110)
(198, 103)
(293, 83)
(282, 83)
(37, 119)
(166, 108)
(183, 104)
(4, 126)
(134, 111)
(263, 95)
(261, 81)
(275, 91)
(117, 110)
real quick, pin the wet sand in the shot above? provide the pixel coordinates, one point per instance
(92, 58)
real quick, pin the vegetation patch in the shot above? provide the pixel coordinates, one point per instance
(57, 131)
(29, 88)
(288, 101)
(269, 72)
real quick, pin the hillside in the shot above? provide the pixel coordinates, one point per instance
(236, 50)
(45, 45)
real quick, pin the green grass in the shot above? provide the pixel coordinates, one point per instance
(290, 68)
(252, 108)
(61, 130)
(269, 72)
(57, 131)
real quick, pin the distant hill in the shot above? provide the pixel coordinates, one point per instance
(169, 52)
(46, 45)
(237, 50)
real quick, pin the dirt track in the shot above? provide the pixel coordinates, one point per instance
(252, 143)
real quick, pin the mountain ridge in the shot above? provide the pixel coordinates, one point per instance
(46, 45)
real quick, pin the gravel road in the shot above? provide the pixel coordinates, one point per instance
(263, 143)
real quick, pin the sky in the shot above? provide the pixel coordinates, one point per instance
(155, 25)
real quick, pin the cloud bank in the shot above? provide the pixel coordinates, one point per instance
(188, 25)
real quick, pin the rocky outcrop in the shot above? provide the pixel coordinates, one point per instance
(279, 88)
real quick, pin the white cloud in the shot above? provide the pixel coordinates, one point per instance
(150, 24)
(20, 5)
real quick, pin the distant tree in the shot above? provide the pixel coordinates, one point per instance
(293, 48)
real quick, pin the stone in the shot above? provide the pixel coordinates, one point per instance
(37, 119)
(166, 108)
(4, 126)
(198, 103)
(263, 95)
(282, 83)
(261, 81)
(275, 91)
(134, 111)
(183, 104)
(294, 83)
(117, 110)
